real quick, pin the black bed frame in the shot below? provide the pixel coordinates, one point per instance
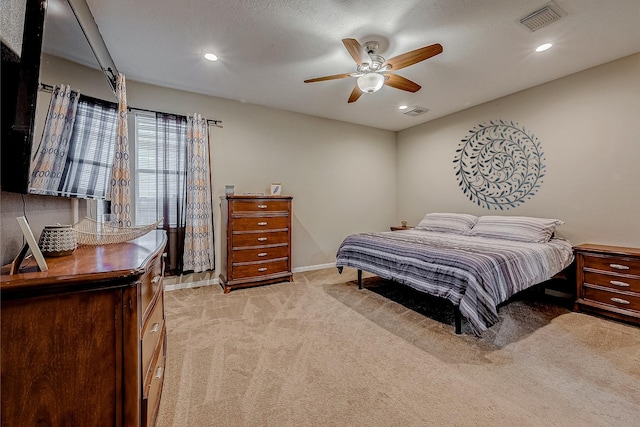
(568, 275)
(457, 314)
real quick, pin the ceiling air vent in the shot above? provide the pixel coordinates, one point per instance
(542, 17)
(415, 111)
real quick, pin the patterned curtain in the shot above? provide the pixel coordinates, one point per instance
(51, 155)
(121, 178)
(198, 241)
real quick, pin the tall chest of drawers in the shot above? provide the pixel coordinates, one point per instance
(608, 281)
(257, 241)
(84, 343)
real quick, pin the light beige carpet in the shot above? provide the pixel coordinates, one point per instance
(320, 352)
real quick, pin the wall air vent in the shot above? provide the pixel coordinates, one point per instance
(542, 17)
(415, 111)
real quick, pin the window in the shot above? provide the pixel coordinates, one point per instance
(160, 153)
(84, 169)
(160, 178)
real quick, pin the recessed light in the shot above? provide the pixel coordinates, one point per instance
(403, 107)
(210, 56)
(543, 47)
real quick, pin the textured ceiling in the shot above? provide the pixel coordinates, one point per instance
(268, 48)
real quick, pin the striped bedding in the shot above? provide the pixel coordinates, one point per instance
(474, 273)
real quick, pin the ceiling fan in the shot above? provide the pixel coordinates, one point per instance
(375, 72)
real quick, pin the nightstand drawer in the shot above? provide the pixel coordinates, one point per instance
(613, 281)
(260, 269)
(153, 390)
(151, 283)
(260, 254)
(613, 264)
(151, 334)
(260, 223)
(620, 300)
(260, 239)
(260, 205)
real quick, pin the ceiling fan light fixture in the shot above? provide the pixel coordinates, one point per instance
(370, 82)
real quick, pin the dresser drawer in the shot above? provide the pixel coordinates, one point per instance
(614, 264)
(260, 223)
(260, 269)
(260, 254)
(153, 391)
(260, 238)
(152, 331)
(259, 205)
(613, 281)
(620, 300)
(150, 283)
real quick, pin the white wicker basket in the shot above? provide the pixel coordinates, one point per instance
(91, 232)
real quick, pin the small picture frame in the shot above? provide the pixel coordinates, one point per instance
(31, 244)
(276, 189)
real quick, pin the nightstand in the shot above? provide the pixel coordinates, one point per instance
(400, 227)
(608, 281)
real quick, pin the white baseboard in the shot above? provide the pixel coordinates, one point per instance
(187, 285)
(216, 281)
(313, 267)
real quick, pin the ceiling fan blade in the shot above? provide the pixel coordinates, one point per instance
(413, 57)
(401, 83)
(333, 77)
(355, 94)
(354, 49)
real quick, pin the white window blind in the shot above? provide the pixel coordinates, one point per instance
(159, 168)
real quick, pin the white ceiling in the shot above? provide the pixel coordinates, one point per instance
(267, 48)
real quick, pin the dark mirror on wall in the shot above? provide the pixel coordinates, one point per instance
(52, 29)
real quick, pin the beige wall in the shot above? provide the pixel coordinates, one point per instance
(588, 126)
(342, 176)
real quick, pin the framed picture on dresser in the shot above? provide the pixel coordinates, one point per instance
(276, 189)
(31, 244)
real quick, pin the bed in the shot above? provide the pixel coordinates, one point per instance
(476, 263)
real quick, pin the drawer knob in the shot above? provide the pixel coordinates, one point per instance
(262, 269)
(262, 239)
(620, 300)
(155, 328)
(261, 254)
(618, 283)
(262, 223)
(262, 206)
(159, 372)
(619, 266)
(156, 279)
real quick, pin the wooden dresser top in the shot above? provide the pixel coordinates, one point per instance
(88, 264)
(250, 197)
(607, 249)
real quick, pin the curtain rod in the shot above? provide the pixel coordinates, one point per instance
(211, 122)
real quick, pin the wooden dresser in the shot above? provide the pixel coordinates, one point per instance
(608, 281)
(257, 248)
(84, 343)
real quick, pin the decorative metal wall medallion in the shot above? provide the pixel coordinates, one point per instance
(499, 165)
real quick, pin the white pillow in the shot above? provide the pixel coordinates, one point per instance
(447, 222)
(518, 228)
